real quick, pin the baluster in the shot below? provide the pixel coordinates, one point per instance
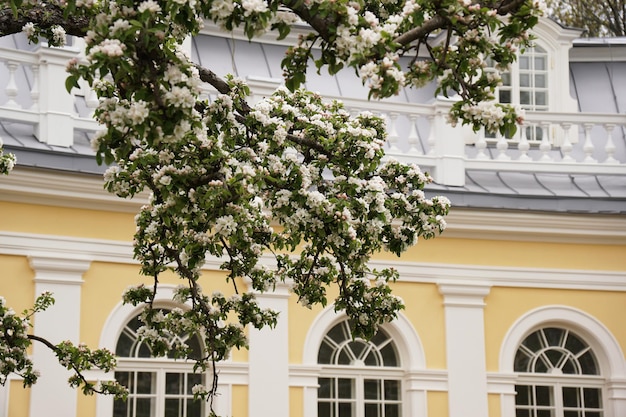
(393, 132)
(567, 146)
(588, 145)
(34, 91)
(414, 138)
(524, 145)
(610, 146)
(432, 139)
(91, 100)
(481, 145)
(11, 88)
(502, 145)
(545, 145)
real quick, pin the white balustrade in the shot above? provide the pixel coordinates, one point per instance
(585, 143)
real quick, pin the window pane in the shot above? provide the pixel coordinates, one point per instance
(592, 397)
(344, 359)
(504, 96)
(521, 357)
(574, 344)
(588, 363)
(541, 98)
(192, 380)
(124, 345)
(325, 353)
(324, 410)
(571, 397)
(553, 336)
(540, 80)
(593, 414)
(120, 408)
(389, 355)
(522, 413)
(524, 62)
(392, 390)
(357, 348)
(533, 343)
(144, 382)
(346, 410)
(523, 396)
(554, 356)
(540, 63)
(524, 97)
(571, 413)
(174, 383)
(145, 407)
(543, 395)
(325, 388)
(144, 351)
(506, 78)
(372, 410)
(345, 388)
(194, 408)
(173, 407)
(372, 389)
(524, 80)
(392, 410)
(372, 359)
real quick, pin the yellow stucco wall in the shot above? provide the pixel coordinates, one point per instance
(16, 282)
(493, 402)
(63, 221)
(19, 400)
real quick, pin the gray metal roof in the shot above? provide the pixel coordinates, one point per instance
(597, 86)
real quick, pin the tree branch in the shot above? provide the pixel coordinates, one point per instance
(45, 15)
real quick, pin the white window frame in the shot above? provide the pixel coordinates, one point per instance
(416, 379)
(608, 353)
(160, 367)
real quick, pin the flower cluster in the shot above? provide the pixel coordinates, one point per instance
(223, 174)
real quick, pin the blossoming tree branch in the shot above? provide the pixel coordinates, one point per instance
(293, 176)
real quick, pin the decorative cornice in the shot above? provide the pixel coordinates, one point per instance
(465, 294)
(55, 270)
(63, 247)
(70, 189)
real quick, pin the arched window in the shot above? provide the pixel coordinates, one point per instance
(158, 387)
(358, 378)
(559, 376)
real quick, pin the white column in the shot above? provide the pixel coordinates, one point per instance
(56, 105)
(465, 348)
(268, 386)
(51, 395)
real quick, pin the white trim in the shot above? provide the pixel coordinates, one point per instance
(465, 348)
(401, 330)
(76, 190)
(28, 244)
(605, 346)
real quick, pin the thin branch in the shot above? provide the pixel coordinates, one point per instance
(45, 15)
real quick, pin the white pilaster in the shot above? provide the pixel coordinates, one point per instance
(63, 277)
(268, 387)
(465, 348)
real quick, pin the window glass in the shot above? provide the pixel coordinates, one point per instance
(361, 393)
(155, 390)
(545, 357)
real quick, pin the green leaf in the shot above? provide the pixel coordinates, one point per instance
(71, 82)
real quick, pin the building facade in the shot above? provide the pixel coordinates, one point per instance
(517, 310)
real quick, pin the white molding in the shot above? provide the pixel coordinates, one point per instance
(606, 348)
(65, 247)
(464, 294)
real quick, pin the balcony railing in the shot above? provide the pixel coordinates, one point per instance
(573, 143)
